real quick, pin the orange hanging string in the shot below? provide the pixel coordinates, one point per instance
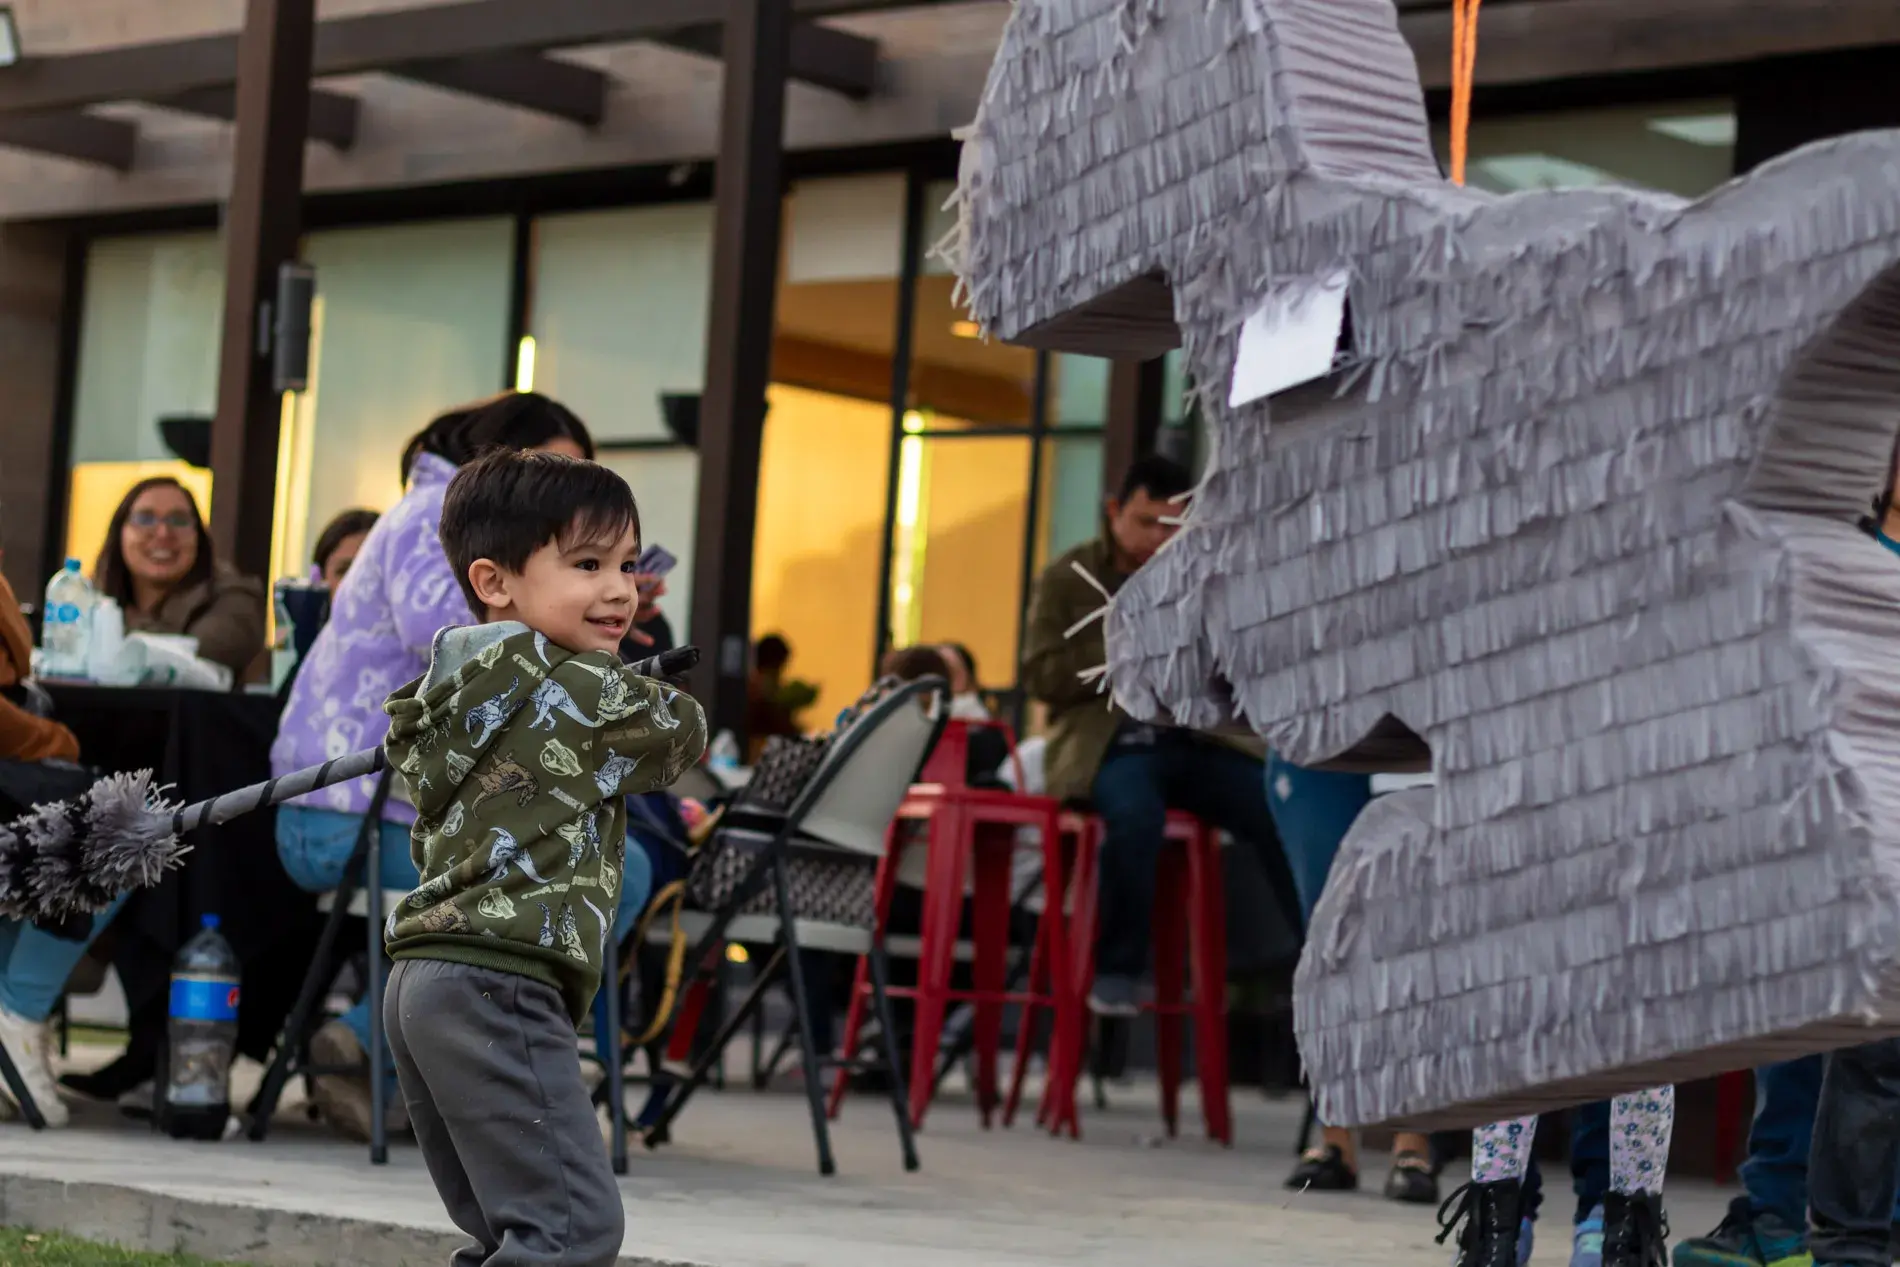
(1464, 65)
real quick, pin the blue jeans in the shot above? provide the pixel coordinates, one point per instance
(1133, 792)
(1775, 1176)
(34, 964)
(1313, 809)
(315, 845)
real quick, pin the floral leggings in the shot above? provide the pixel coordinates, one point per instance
(1640, 1127)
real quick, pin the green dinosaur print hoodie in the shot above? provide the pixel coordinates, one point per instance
(517, 756)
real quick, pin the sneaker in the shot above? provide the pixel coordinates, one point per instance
(1745, 1239)
(1487, 1224)
(343, 1099)
(1323, 1170)
(1635, 1233)
(1586, 1241)
(1412, 1181)
(1115, 996)
(26, 1044)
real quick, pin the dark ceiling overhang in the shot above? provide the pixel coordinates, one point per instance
(493, 49)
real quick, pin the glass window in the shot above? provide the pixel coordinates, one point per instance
(1070, 508)
(410, 320)
(1078, 391)
(955, 373)
(618, 313)
(148, 350)
(957, 544)
(618, 319)
(824, 472)
(1685, 148)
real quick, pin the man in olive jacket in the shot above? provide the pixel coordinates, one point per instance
(1132, 773)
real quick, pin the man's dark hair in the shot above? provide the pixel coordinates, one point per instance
(512, 420)
(1162, 478)
(346, 525)
(507, 504)
(1883, 500)
(773, 652)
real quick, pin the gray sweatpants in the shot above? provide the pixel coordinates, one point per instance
(491, 1076)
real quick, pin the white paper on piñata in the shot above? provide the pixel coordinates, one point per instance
(1574, 519)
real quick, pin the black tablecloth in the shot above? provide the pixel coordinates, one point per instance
(202, 743)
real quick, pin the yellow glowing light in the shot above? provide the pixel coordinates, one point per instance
(736, 953)
(965, 329)
(913, 422)
(524, 364)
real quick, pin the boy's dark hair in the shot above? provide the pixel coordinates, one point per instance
(512, 420)
(1162, 478)
(508, 503)
(346, 525)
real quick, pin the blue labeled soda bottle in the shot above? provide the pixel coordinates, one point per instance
(200, 1037)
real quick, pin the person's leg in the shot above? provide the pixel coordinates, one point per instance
(1489, 1220)
(1641, 1126)
(1312, 811)
(432, 1134)
(1854, 1167)
(496, 1054)
(1130, 798)
(1279, 808)
(315, 846)
(1590, 1180)
(1767, 1224)
(34, 968)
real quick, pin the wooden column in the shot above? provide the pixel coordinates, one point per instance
(39, 308)
(1134, 418)
(748, 191)
(262, 225)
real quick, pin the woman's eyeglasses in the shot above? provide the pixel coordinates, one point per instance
(176, 520)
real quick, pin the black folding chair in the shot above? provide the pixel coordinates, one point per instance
(292, 1059)
(845, 809)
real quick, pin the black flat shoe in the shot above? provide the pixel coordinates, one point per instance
(1323, 1170)
(1486, 1223)
(1412, 1181)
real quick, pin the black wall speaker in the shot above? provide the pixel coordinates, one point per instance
(290, 335)
(680, 412)
(188, 436)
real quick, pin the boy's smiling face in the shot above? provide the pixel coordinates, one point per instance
(580, 593)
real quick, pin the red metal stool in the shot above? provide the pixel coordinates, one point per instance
(1190, 922)
(970, 833)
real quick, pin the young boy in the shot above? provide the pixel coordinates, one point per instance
(519, 747)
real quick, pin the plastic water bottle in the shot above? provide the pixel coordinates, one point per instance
(723, 756)
(200, 1037)
(65, 629)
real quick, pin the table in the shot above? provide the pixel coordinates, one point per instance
(202, 743)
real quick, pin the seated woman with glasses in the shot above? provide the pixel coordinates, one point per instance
(157, 564)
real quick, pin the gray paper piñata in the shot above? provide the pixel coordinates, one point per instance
(1573, 519)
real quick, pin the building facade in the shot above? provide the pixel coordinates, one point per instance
(911, 476)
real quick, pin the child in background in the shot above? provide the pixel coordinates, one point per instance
(519, 746)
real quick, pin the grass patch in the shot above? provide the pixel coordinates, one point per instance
(20, 1248)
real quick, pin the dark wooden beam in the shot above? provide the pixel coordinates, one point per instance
(748, 196)
(261, 231)
(1565, 39)
(376, 42)
(84, 138)
(526, 80)
(822, 56)
(332, 114)
(39, 301)
(1134, 418)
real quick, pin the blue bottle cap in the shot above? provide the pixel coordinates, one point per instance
(72, 565)
(210, 921)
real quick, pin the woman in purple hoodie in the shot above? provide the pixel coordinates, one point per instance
(399, 592)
